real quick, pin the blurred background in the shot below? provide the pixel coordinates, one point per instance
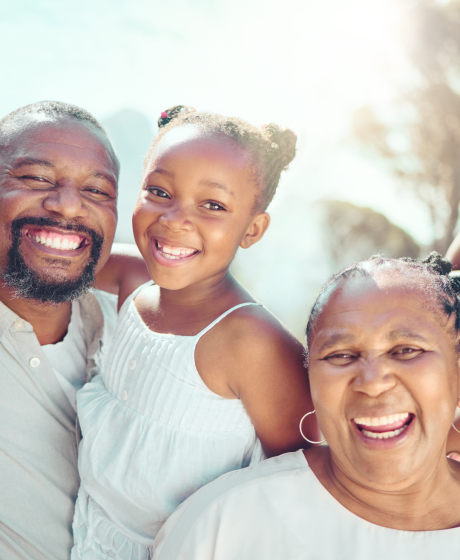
(371, 88)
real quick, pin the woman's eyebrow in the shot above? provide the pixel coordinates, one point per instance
(404, 333)
(344, 338)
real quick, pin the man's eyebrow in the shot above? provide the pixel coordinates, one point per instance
(101, 175)
(32, 161)
(215, 185)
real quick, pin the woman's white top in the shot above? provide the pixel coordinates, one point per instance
(153, 434)
(278, 510)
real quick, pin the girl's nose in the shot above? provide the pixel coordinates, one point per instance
(374, 378)
(68, 201)
(176, 219)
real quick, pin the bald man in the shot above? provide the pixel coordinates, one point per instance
(58, 214)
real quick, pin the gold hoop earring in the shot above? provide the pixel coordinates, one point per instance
(304, 436)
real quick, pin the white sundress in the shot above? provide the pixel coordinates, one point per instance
(153, 434)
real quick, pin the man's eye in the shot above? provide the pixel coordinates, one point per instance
(213, 206)
(97, 192)
(158, 192)
(35, 178)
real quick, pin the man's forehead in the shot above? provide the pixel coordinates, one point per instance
(35, 137)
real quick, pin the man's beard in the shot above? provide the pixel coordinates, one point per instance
(29, 285)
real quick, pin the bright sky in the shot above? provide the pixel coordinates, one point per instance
(307, 64)
(303, 63)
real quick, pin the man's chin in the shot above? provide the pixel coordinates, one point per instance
(49, 286)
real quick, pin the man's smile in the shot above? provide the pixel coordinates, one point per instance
(56, 240)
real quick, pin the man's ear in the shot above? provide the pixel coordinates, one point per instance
(256, 230)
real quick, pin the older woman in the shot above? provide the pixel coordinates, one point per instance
(383, 341)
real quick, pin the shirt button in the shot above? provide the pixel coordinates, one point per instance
(18, 325)
(124, 395)
(34, 362)
(146, 337)
(132, 364)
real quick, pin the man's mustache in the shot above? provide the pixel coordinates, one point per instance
(41, 222)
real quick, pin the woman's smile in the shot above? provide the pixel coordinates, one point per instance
(383, 431)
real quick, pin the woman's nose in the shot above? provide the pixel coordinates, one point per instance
(176, 219)
(68, 201)
(374, 378)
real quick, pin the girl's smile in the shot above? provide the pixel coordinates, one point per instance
(196, 207)
(166, 253)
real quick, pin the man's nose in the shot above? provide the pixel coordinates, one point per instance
(67, 200)
(374, 377)
(176, 219)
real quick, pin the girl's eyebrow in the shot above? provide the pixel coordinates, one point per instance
(162, 171)
(216, 186)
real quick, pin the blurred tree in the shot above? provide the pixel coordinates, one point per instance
(423, 149)
(352, 233)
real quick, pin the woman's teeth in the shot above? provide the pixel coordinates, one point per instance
(382, 420)
(398, 422)
(62, 243)
(175, 252)
(384, 435)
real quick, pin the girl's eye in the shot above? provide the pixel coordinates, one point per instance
(406, 352)
(158, 192)
(214, 206)
(341, 359)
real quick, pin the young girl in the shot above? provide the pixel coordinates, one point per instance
(201, 378)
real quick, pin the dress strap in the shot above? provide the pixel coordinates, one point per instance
(209, 327)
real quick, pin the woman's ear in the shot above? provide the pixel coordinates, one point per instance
(256, 230)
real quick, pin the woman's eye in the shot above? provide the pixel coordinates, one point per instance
(158, 192)
(213, 206)
(406, 352)
(341, 359)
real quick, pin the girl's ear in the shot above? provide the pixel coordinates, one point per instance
(256, 230)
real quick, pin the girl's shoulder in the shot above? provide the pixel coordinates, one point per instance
(254, 325)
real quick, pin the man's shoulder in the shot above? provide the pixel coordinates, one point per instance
(108, 303)
(227, 488)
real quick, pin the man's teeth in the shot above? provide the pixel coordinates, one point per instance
(56, 243)
(382, 420)
(175, 252)
(384, 435)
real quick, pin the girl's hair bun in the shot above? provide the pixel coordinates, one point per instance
(283, 143)
(173, 112)
(439, 265)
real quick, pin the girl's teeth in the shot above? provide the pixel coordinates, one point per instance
(174, 252)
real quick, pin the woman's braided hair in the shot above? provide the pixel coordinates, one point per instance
(272, 147)
(434, 270)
